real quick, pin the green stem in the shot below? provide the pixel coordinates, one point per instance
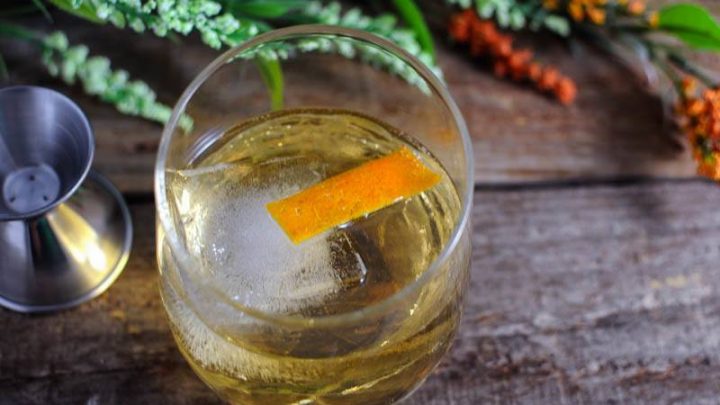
(41, 6)
(667, 48)
(683, 64)
(3, 69)
(18, 32)
(675, 79)
(641, 29)
(413, 17)
(272, 76)
(668, 58)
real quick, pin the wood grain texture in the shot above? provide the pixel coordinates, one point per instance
(581, 293)
(589, 295)
(615, 129)
(599, 294)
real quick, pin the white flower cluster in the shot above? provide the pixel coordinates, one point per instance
(73, 63)
(384, 25)
(179, 16)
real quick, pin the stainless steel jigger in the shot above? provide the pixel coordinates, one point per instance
(65, 232)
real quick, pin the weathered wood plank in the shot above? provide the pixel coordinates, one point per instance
(590, 295)
(578, 295)
(614, 130)
(114, 349)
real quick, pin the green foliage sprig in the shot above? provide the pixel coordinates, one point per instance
(216, 28)
(219, 23)
(131, 97)
(518, 14)
(384, 25)
(74, 64)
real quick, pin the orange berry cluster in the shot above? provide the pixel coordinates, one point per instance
(484, 39)
(700, 119)
(594, 11)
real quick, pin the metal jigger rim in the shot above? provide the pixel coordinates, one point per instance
(86, 175)
(88, 131)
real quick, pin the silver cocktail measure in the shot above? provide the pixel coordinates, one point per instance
(65, 231)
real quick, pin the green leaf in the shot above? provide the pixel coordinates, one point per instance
(517, 19)
(557, 24)
(85, 10)
(414, 19)
(18, 32)
(272, 75)
(503, 17)
(265, 8)
(692, 24)
(485, 8)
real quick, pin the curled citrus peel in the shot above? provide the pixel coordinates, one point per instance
(352, 194)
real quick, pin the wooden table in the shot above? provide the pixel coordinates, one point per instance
(595, 273)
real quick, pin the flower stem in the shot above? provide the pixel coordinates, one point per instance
(671, 74)
(3, 69)
(18, 32)
(660, 59)
(683, 64)
(413, 17)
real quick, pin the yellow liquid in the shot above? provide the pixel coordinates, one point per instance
(245, 258)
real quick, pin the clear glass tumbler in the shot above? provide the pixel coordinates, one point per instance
(359, 314)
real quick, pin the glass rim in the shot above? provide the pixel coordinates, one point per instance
(163, 208)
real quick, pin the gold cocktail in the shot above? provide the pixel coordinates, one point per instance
(359, 314)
